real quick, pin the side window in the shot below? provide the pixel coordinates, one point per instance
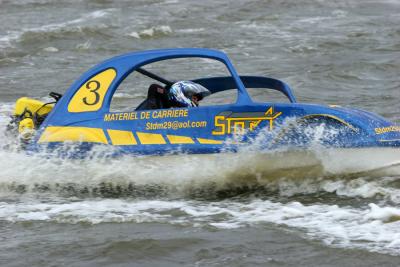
(134, 89)
(131, 92)
(221, 98)
(263, 95)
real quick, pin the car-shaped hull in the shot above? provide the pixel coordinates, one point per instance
(83, 116)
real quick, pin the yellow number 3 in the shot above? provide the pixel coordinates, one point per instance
(90, 95)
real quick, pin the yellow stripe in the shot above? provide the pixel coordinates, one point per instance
(151, 139)
(209, 141)
(121, 138)
(74, 134)
(176, 139)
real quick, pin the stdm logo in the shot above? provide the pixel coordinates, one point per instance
(230, 122)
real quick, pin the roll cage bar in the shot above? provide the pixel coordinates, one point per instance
(219, 84)
(223, 83)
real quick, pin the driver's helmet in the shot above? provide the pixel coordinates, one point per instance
(181, 93)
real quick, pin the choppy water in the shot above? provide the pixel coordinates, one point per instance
(320, 208)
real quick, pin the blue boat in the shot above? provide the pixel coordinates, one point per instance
(82, 115)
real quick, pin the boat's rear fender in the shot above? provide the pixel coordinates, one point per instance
(370, 128)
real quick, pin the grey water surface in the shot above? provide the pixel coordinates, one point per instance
(195, 210)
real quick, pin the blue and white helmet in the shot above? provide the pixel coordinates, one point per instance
(182, 92)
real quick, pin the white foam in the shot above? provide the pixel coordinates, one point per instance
(152, 31)
(51, 49)
(191, 30)
(373, 228)
(84, 46)
(385, 214)
(6, 40)
(134, 35)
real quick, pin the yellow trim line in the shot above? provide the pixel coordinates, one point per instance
(117, 137)
(394, 140)
(74, 134)
(177, 139)
(209, 141)
(151, 139)
(121, 138)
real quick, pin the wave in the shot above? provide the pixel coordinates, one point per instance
(152, 32)
(57, 30)
(208, 176)
(371, 227)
